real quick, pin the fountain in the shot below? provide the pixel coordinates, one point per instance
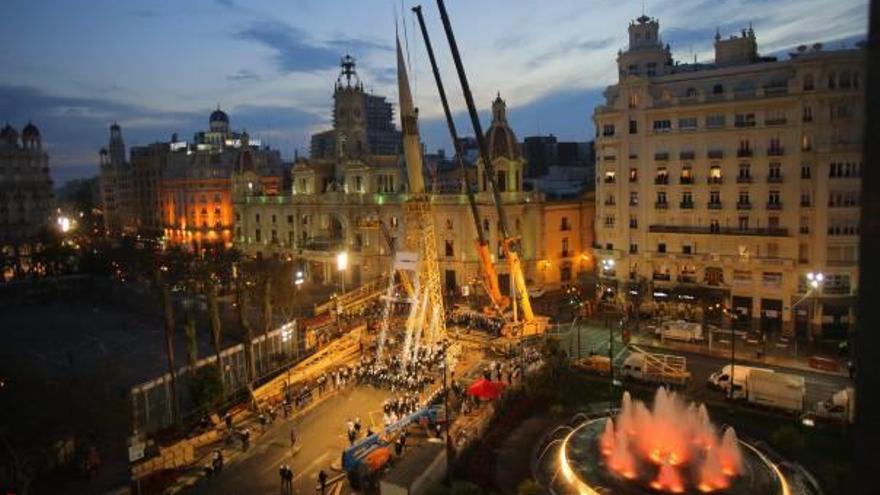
(671, 447)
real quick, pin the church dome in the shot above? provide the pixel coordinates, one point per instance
(219, 116)
(500, 137)
(30, 131)
(9, 135)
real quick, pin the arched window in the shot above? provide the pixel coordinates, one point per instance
(690, 92)
(808, 82)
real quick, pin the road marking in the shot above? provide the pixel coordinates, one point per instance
(312, 465)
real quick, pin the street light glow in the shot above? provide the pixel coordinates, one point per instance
(342, 261)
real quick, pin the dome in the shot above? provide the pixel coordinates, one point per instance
(9, 135)
(500, 137)
(219, 116)
(30, 131)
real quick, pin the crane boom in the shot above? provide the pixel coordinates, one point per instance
(490, 276)
(508, 243)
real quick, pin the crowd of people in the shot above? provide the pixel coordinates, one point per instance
(472, 320)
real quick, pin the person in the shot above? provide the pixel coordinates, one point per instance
(322, 481)
(245, 439)
(357, 424)
(289, 479)
(227, 418)
(282, 474)
(438, 429)
(217, 461)
(292, 438)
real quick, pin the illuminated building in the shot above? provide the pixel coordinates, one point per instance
(728, 182)
(353, 201)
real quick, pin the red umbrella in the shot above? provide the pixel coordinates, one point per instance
(485, 389)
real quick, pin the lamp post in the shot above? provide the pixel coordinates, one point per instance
(342, 265)
(815, 279)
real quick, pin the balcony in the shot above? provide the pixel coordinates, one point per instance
(744, 179)
(774, 179)
(715, 154)
(686, 180)
(687, 279)
(664, 277)
(661, 206)
(778, 121)
(743, 206)
(744, 153)
(806, 204)
(715, 205)
(633, 178)
(633, 202)
(699, 230)
(714, 180)
(565, 254)
(686, 155)
(609, 180)
(661, 180)
(661, 157)
(778, 151)
(686, 205)
(774, 205)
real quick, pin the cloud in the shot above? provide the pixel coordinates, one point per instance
(244, 75)
(295, 52)
(569, 48)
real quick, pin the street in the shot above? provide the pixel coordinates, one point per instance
(593, 338)
(321, 438)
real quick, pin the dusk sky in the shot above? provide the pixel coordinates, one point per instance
(161, 66)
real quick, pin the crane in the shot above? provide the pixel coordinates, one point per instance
(509, 243)
(489, 275)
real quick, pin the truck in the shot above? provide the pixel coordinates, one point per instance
(596, 364)
(781, 391)
(656, 368)
(682, 330)
(721, 379)
(839, 408)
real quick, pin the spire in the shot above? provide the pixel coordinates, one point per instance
(410, 128)
(717, 34)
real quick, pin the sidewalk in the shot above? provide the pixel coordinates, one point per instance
(743, 354)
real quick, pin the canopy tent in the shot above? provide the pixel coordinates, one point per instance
(485, 389)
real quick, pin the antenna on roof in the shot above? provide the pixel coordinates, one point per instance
(643, 8)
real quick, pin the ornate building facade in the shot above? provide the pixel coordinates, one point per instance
(26, 199)
(729, 183)
(353, 202)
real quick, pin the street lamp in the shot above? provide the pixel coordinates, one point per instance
(341, 265)
(815, 279)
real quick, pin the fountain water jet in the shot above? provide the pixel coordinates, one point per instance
(677, 437)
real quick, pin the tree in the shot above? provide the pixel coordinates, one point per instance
(216, 330)
(192, 342)
(248, 337)
(206, 388)
(168, 311)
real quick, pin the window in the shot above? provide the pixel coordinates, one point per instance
(803, 254)
(718, 89)
(274, 236)
(633, 126)
(216, 197)
(773, 198)
(687, 200)
(806, 143)
(609, 221)
(486, 226)
(237, 216)
(633, 175)
(290, 219)
(394, 222)
(633, 69)
(273, 219)
(608, 130)
(845, 82)
(652, 69)
(633, 248)
(609, 176)
(661, 197)
(257, 217)
(258, 235)
(565, 252)
(661, 247)
(448, 224)
(744, 120)
(715, 121)
(687, 249)
(773, 222)
(450, 252)
(633, 198)
(805, 171)
(805, 199)
(743, 198)
(662, 125)
(744, 171)
(715, 197)
(687, 123)
(804, 225)
(715, 174)
(775, 170)
(714, 226)
(808, 82)
(633, 223)
(808, 113)
(633, 101)
(743, 223)
(687, 175)
(564, 225)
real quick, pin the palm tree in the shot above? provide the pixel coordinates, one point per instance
(241, 302)
(168, 311)
(192, 343)
(216, 329)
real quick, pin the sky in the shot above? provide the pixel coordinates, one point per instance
(161, 66)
